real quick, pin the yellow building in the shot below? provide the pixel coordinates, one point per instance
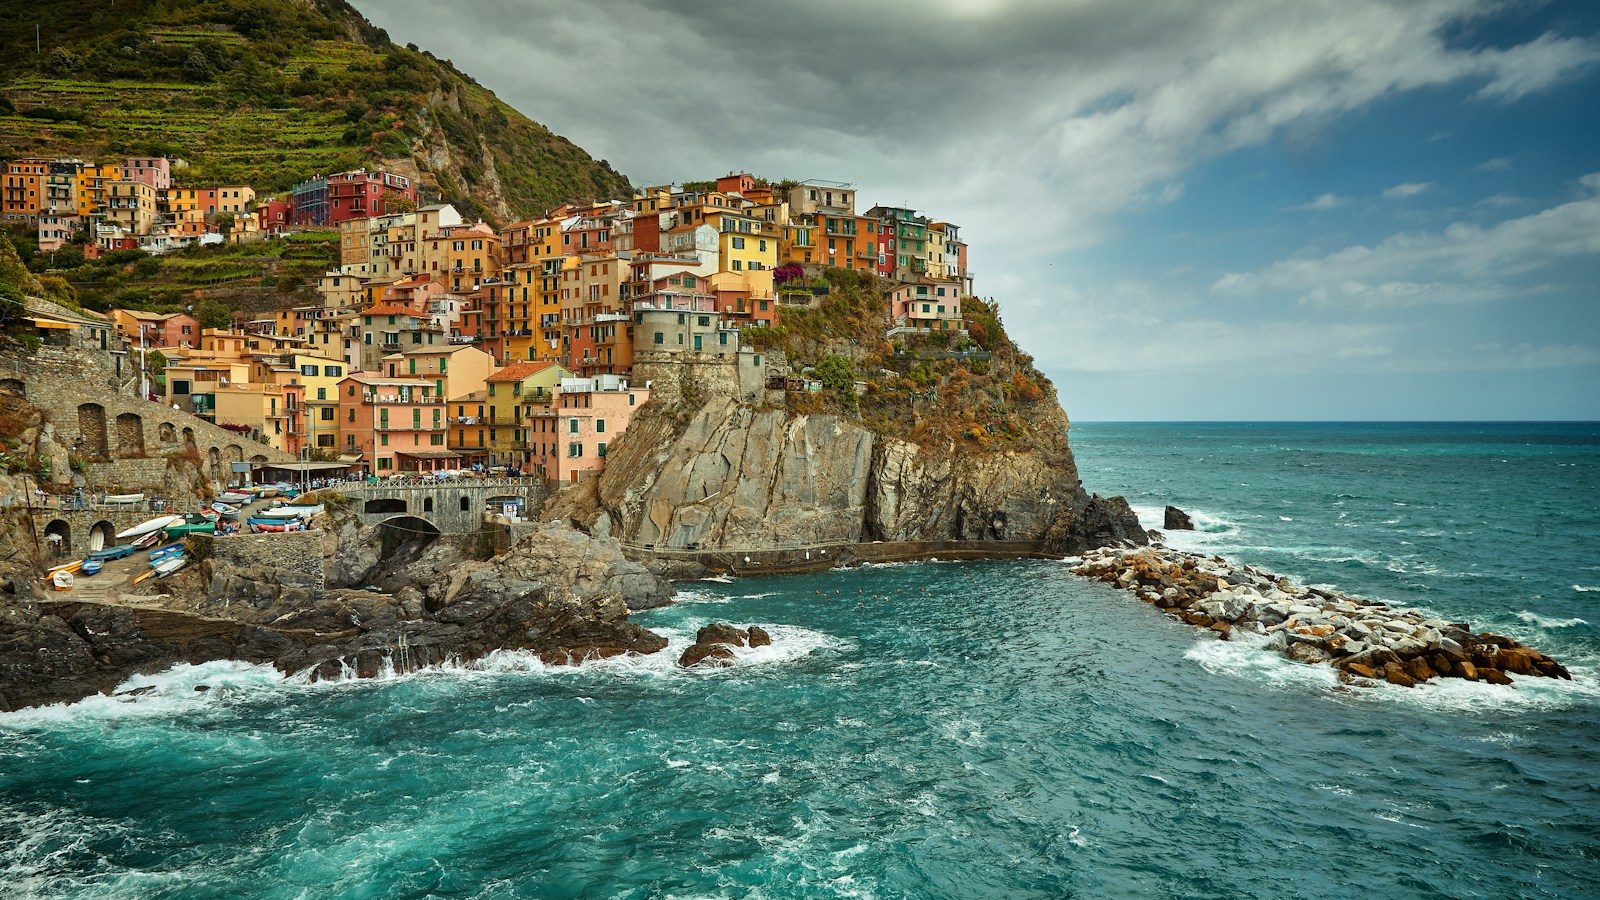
(511, 395)
(131, 205)
(455, 370)
(319, 378)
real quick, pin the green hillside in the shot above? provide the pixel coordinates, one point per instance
(269, 92)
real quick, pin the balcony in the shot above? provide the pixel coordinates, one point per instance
(401, 400)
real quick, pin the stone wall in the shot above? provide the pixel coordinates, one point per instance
(293, 559)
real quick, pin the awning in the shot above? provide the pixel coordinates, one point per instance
(428, 454)
(301, 466)
(50, 323)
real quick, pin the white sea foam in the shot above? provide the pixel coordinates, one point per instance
(1246, 655)
(1208, 528)
(172, 691)
(1534, 618)
(1585, 588)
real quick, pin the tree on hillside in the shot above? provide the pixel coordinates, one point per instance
(213, 313)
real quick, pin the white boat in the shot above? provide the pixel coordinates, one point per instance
(62, 580)
(156, 524)
(120, 499)
(170, 566)
(235, 497)
(289, 511)
(224, 510)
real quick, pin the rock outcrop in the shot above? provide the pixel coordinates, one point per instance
(733, 475)
(713, 645)
(1175, 519)
(1368, 642)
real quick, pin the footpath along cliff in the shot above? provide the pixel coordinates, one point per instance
(824, 432)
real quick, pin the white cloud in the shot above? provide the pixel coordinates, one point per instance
(1498, 164)
(1463, 263)
(1323, 203)
(1407, 190)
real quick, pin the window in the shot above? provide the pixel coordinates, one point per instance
(738, 243)
(180, 388)
(599, 426)
(660, 338)
(630, 399)
(331, 371)
(705, 321)
(572, 426)
(327, 414)
(600, 450)
(738, 265)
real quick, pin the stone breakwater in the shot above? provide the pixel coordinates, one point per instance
(1365, 641)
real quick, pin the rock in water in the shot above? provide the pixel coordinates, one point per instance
(1175, 519)
(713, 644)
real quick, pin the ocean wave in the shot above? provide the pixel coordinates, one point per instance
(1534, 618)
(173, 691)
(1585, 588)
(1208, 528)
(1246, 655)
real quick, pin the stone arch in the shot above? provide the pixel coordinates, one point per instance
(92, 431)
(58, 537)
(233, 453)
(168, 433)
(466, 503)
(258, 458)
(411, 526)
(189, 445)
(14, 386)
(427, 504)
(214, 459)
(384, 505)
(130, 436)
(102, 535)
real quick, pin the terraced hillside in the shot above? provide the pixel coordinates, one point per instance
(268, 92)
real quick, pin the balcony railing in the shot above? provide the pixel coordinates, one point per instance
(398, 399)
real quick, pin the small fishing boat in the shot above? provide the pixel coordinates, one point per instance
(290, 511)
(143, 577)
(166, 552)
(170, 566)
(68, 567)
(124, 499)
(149, 527)
(234, 497)
(190, 524)
(146, 542)
(117, 551)
(271, 526)
(92, 566)
(224, 510)
(61, 581)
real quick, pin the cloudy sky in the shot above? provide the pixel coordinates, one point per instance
(1347, 209)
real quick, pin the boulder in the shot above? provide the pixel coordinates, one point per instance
(1394, 673)
(1464, 669)
(1310, 654)
(713, 644)
(1362, 670)
(707, 656)
(1495, 676)
(1175, 519)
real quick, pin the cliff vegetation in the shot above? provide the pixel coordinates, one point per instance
(270, 92)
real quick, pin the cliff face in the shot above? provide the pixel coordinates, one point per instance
(735, 476)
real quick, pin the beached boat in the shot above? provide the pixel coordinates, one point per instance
(224, 510)
(166, 552)
(235, 497)
(117, 551)
(170, 566)
(153, 525)
(260, 525)
(143, 577)
(190, 524)
(61, 581)
(92, 566)
(146, 542)
(124, 499)
(68, 567)
(290, 511)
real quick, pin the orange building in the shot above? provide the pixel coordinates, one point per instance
(23, 189)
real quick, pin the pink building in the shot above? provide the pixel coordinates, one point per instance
(925, 306)
(394, 424)
(587, 416)
(154, 171)
(157, 330)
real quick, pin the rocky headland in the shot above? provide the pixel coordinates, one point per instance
(1366, 641)
(557, 593)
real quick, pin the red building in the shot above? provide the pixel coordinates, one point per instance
(274, 215)
(361, 194)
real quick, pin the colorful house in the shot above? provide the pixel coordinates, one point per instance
(394, 424)
(513, 394)
(570, 439)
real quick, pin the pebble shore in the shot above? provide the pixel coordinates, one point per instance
(1367, 642)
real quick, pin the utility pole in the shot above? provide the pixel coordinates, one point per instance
(37, 46)
(144, 363)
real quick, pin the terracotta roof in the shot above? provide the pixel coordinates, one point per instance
(387, 310)
(520, 370)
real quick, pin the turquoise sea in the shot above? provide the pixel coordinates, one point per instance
(932, 730)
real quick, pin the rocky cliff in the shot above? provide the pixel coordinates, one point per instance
(736, 476)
